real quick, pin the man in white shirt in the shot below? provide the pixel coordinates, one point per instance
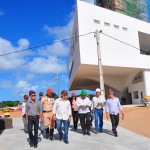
(22, 105)
(62, 114)
(97, 107)
(83, 103)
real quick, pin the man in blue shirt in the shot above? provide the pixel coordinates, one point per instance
(112, 107)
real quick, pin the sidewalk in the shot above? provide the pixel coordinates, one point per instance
(16, 139)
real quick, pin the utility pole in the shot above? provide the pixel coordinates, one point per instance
(101, 78)
(57, 80)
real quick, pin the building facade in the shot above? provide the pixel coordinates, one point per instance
(125, 52)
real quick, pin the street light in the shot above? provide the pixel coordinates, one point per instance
(101, 78)
(57, 80)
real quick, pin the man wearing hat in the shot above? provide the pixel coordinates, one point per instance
(40, 96)
(83, 103)
(22, 105)
(42, 123)
(47, 103)
(112, 107)
(97, 106)
(33, 116)
(62, 114)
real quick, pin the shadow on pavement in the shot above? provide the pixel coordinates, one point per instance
(1, 131)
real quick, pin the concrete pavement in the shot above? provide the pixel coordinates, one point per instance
(16, 139)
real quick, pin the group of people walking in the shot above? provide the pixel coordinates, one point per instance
(51, 113)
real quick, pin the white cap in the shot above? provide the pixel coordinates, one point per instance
(97, 90)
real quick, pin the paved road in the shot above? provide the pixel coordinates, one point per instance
(16, 139)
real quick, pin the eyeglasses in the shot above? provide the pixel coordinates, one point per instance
(110, 93)
(33, 95)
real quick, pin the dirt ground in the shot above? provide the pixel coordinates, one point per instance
(136, 119)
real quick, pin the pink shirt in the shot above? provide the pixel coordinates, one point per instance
(74, 106)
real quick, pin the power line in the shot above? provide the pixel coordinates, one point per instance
(125, 43)
(58, 41)
(19, 51)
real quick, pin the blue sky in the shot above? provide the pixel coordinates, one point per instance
(29, 23)
(25, 24)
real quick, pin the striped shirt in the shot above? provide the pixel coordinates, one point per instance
(113, 105)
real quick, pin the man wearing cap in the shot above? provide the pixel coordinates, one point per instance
(41, 128)
(62, 114)
(83, 103)
(40, 96)
(97, 107)
(33, 116)
(47, 103)
(22, 105)
(112, 107)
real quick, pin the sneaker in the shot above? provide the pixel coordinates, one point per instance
(35, 146)
(101, 131)
(31, 144)
(88, 133)
(66, 142)
(96, 132)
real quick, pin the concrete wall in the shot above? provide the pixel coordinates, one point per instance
(114, 53)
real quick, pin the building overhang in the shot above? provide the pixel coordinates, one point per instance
(87, 76)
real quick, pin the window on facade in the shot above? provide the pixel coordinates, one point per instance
(96, 21)
(106, 24)
(125, 29)
(135, 94)
(138, 78)
(116, 27)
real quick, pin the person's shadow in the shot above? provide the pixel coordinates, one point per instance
(1, 131)
(79, 130)
(56, 136)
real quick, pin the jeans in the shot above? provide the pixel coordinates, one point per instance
(25, 123)
(59, 128)
(42, 124)
(33, 121)
(98, 113)
(75, 118)
(115, 122)
(85, 122)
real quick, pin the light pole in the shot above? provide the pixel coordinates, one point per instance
(57, 80)
(101, 78)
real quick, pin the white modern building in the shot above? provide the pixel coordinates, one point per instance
(125, 52)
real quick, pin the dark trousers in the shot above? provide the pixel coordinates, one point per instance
(115, 122)
(85, 122)
(33, 121)
(75, 118)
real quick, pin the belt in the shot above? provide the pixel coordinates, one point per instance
(46, 111)
(33, 116)
(98, 109)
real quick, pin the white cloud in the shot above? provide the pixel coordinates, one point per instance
(14, 60)
(1, 13)
(23, 87)
(23, 44)
(57, 49)
(51, 64)
(60, 32)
